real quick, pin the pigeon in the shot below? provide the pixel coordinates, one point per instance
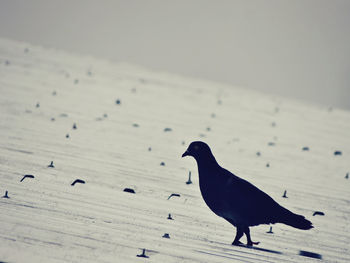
(235, 199)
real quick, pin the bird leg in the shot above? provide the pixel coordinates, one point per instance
(239, 234)
(250, 243)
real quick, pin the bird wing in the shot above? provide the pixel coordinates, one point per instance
(246, 204)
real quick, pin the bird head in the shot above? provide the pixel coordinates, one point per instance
(197, 149)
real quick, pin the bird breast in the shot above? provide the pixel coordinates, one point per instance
(212, 195)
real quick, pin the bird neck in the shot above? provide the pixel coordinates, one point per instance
(208, 175)
(207, 162)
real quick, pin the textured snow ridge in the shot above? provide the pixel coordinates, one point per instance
(115, 126)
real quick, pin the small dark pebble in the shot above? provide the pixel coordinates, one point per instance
(89, 73)
(167, 129)
(67, 135)
(28, 111)
(51, 165)
(129, 190)
(166, 235)
(7, 62)
(105, 115)
(173, 195)
(270, 231)
(26, 50)
(78, 181)
(267, 165)
(306, 148)
(213, 115)
(189, 178)
(310, 254)
(133, 90)
(74, 126)
(143, 255)
(258, 153)
(208, 129)
(149, 149)
(37, 105)
(273, 124)
(162, 163)
(202, 135)
(347, 176)
(64, 115)
(76, 81)
(27, 176)
(183, 142)
(337, 153)
(54, 93)
(118, 102)
(285, 194)
(318, 213)
(99, 119)
(53, 119)
(169, 217)
(271, 144)
(219, 102)
(6, 195)
(136, 125)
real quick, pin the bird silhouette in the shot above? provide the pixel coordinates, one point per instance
(235, 199)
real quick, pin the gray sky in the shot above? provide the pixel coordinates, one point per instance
(297, 48)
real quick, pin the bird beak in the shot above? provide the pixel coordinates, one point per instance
(185, 154)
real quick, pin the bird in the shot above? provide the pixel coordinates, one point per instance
(236, 200)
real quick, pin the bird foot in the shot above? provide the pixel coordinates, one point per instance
(251, 243)
(237, 243)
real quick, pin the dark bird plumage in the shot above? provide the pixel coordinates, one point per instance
(236, 200)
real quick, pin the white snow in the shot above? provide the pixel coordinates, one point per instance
(48, 220)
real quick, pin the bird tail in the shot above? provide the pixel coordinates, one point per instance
(294, 220)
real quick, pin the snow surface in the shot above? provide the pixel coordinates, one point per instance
(48, 220)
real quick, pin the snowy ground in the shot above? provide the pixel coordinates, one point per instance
(43, 92)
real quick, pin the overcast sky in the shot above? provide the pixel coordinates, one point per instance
(297, 48)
